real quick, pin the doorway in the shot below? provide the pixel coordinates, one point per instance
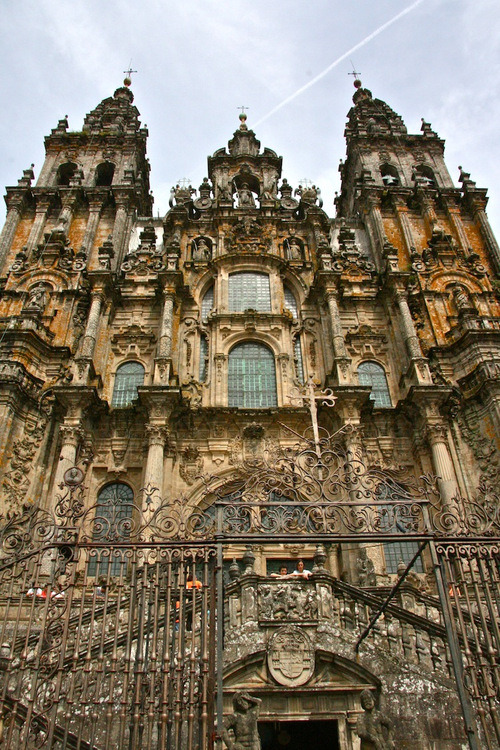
(298, 735)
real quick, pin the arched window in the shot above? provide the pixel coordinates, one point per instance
(114, 508)
(65, 173)
(251, 376)
(425, 175)
(129, 377)
(207, 303)
(371, 373)
(389, 174)
(104, 174)
(249, 290)
(291, 302)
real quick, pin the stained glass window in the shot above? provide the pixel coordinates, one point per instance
(251, 377)
(111, 524)
(129, 377)
(249, 291)
(371, 373)
(207, 303)
(290, 302)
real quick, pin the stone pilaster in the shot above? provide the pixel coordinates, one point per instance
(38, 225)
(163, 361)
(341, 358)
(437, 435)
(9, 228)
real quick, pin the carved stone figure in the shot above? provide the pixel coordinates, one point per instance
(240, 728)
(373, 727)
(36, 298)
(462, 298)
(293, 249)
(365, 569)
(201, 249)
(245, 196)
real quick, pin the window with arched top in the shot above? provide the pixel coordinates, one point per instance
(394, 520)
(104, 174)
(389, 175)
(207, 303)
(249, 290)
(371, 373)
(113, 512)
(291, 302)
(128, 378)
(425, 175)
(251, 376)
(65, 172)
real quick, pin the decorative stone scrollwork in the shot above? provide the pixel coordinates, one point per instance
(191, 464)
(16, 480)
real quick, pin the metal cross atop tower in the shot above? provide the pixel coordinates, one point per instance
(354, 73)
(308, 396)
(243, 109)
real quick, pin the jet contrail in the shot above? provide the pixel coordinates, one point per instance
(339, 60)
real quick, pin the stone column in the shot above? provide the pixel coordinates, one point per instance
(120, 226)
(402, 214)
(38, 223)
(9, 229)
(90, 336)
(456, 220)
(157, 436)
(377, 223)
(489, 237)
(71, 438)
(437, 435)
(163, 360)
(341, 358)
(419, 363)
(92, 224)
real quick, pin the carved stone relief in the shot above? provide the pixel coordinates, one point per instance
(191, 464)
(291, 657)
(16, 481)
(287, 601)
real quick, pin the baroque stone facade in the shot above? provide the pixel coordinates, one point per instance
(155, 351)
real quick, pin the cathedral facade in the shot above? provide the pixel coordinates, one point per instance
(191, 403)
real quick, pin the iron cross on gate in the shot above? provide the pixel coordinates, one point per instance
(308, 396)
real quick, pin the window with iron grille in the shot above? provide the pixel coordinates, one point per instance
(207, 303)
(111, 524)
(371, 373)
(251, 377)
(299, 365)
(203, 357)
(249, 291)
(129, 377)
(393, 520)
(291, 302)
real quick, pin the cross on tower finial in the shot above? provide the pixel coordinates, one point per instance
(354, 72)
(128, 75)
(243, 109)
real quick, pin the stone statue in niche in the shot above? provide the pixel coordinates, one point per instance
(462, 298)
(201, 250)
(240, 728)
(373, 727)
(293, 249)
(245, 196)
(36, 298)
(365, 569)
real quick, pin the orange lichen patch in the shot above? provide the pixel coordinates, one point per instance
(418, 231)
(393, 234)
(77, 233)
(21, 236)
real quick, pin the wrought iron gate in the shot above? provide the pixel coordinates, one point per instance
(111, 617)
(106, 646)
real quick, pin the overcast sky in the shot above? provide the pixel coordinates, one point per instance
(198, 61)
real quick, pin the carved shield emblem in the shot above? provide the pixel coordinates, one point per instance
(290, 657)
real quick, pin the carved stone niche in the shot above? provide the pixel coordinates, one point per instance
(201, 249)
(366, 341)
(293, 249)
(133, 339)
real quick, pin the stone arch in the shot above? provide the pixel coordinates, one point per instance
(389, 174)
(65, 172)
(104, 173)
